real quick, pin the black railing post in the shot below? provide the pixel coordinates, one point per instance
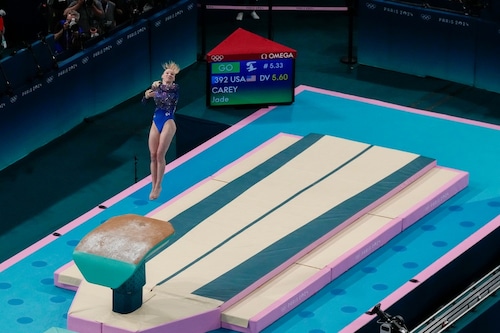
(350, 59)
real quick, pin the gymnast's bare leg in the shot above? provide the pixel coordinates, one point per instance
(165, 93)
(158, 147)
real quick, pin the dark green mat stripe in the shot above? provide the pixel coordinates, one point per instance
(264, 215)
(236, 280)
(192, 216)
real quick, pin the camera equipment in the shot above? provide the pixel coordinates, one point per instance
(89, 3)
(39, 71)
(73, 26)
(43, 39)
(388, 323)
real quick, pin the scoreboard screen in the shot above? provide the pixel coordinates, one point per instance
(251, 82)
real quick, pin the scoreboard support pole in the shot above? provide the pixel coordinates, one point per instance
(203, 24)
(270, 29)
(350, 59)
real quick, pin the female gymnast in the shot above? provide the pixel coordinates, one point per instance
(165, 93)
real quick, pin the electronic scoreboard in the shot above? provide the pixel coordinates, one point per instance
(251, 82)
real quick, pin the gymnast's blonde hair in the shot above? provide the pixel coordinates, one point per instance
(172, 66)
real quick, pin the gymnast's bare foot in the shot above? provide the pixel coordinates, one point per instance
(155, 193)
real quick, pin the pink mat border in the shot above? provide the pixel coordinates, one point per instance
(311, 286)
(178, 197)
(58, 272)
(439, 196)
(324, 238)
(427, 273)
(352, 257)
(202, 322)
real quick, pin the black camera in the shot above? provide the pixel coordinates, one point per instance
(89, 3)
(388, 323)
(73, 26)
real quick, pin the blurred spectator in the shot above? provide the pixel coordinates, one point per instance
(109, 21)
(123, 11)
(140, 6)
(55, 10)
(2, 30)
(68, 37)
(253, 13)
(24, 22)
(148, 5)
(28, 21)
(136, 8)
(91, 14)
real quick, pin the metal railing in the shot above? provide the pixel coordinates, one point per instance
(467, 301)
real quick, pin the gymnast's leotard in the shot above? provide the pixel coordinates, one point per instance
(166, 97)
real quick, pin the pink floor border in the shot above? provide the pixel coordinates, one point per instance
(302, 88)
(312, 286)
(96, 210)
(427, 273)
(120, 196)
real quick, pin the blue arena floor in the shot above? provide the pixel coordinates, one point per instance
(31, 302)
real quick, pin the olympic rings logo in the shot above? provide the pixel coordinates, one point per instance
(370, 5)
(217, 58)
(425, 17)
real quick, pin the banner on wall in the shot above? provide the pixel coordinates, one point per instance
(417, 40)
(174, 36)
(124, 60)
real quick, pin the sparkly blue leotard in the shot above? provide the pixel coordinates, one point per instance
(166, 97)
